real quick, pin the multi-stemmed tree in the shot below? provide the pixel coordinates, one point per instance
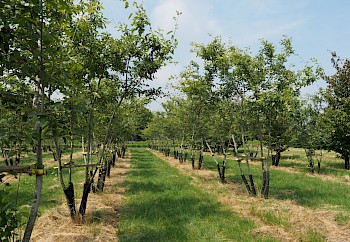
(59, 46)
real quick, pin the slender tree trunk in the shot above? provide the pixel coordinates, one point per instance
(89, 179)
(278, 157)
(235, 145)
(59, 162)
(200, 160)
(261, 145)
(68, 190)
(252, 186)
(319, 162)
(264, 177)
(40, 109)
(267, 186)
(223, 164)
(244, 178)
(251, 178)
(347, 161)
(37, 194)
(216, 162)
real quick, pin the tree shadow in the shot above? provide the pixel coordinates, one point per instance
(182, 218)
(164, 206)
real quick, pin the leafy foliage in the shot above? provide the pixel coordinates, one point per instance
(10, 217)
(337, 113)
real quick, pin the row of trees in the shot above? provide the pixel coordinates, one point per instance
(234, 96)
(64, 78)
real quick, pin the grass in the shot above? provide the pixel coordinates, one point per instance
(21, 190)
(139, 144)
(331, 164)
(342, 218)
(163, 205)
(309, 191)
(271, 217)
(314, 236)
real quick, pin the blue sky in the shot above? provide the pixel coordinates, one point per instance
(315, 26)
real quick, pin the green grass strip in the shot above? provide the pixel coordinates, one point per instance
(306, 190)
(163, 205)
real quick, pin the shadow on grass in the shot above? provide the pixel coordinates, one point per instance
(336, 164)
(309, 191)
(164, 206)
(181, 219)
(296, 157)
(102, 216)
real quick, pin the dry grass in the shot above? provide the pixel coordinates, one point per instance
(302, 220)
(101, 216)
(295, 153)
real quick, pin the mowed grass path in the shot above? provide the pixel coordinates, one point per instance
(162, 205)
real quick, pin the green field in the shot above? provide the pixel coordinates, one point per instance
(167, 201)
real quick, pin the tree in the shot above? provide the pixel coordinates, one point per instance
(279, 93)
(49, 46)
(31, 36)
(337, 112)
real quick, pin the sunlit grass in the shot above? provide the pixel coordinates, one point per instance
(21, 186)
(342, 218)
(162, 205)
(272, 217)
(307, 190)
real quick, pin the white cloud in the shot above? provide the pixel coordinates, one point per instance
(195, 23)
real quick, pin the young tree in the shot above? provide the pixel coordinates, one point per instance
(337, 113)
(31, 33)
(280, 92)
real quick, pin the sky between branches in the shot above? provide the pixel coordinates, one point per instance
(315, 26)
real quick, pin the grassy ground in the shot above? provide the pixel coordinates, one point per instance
(302, 206)
(301, 186)
(21, 186)
(162, 205)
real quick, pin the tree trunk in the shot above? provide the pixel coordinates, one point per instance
(33, 210)
(252, 186)
(267, 186)
(244, 178)
(266, 178)
(200, 161)
(277, 158)
(40, 109)
(347, 161)
(235, 146)
(83, 203)
(69, 193)
(223, 172)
